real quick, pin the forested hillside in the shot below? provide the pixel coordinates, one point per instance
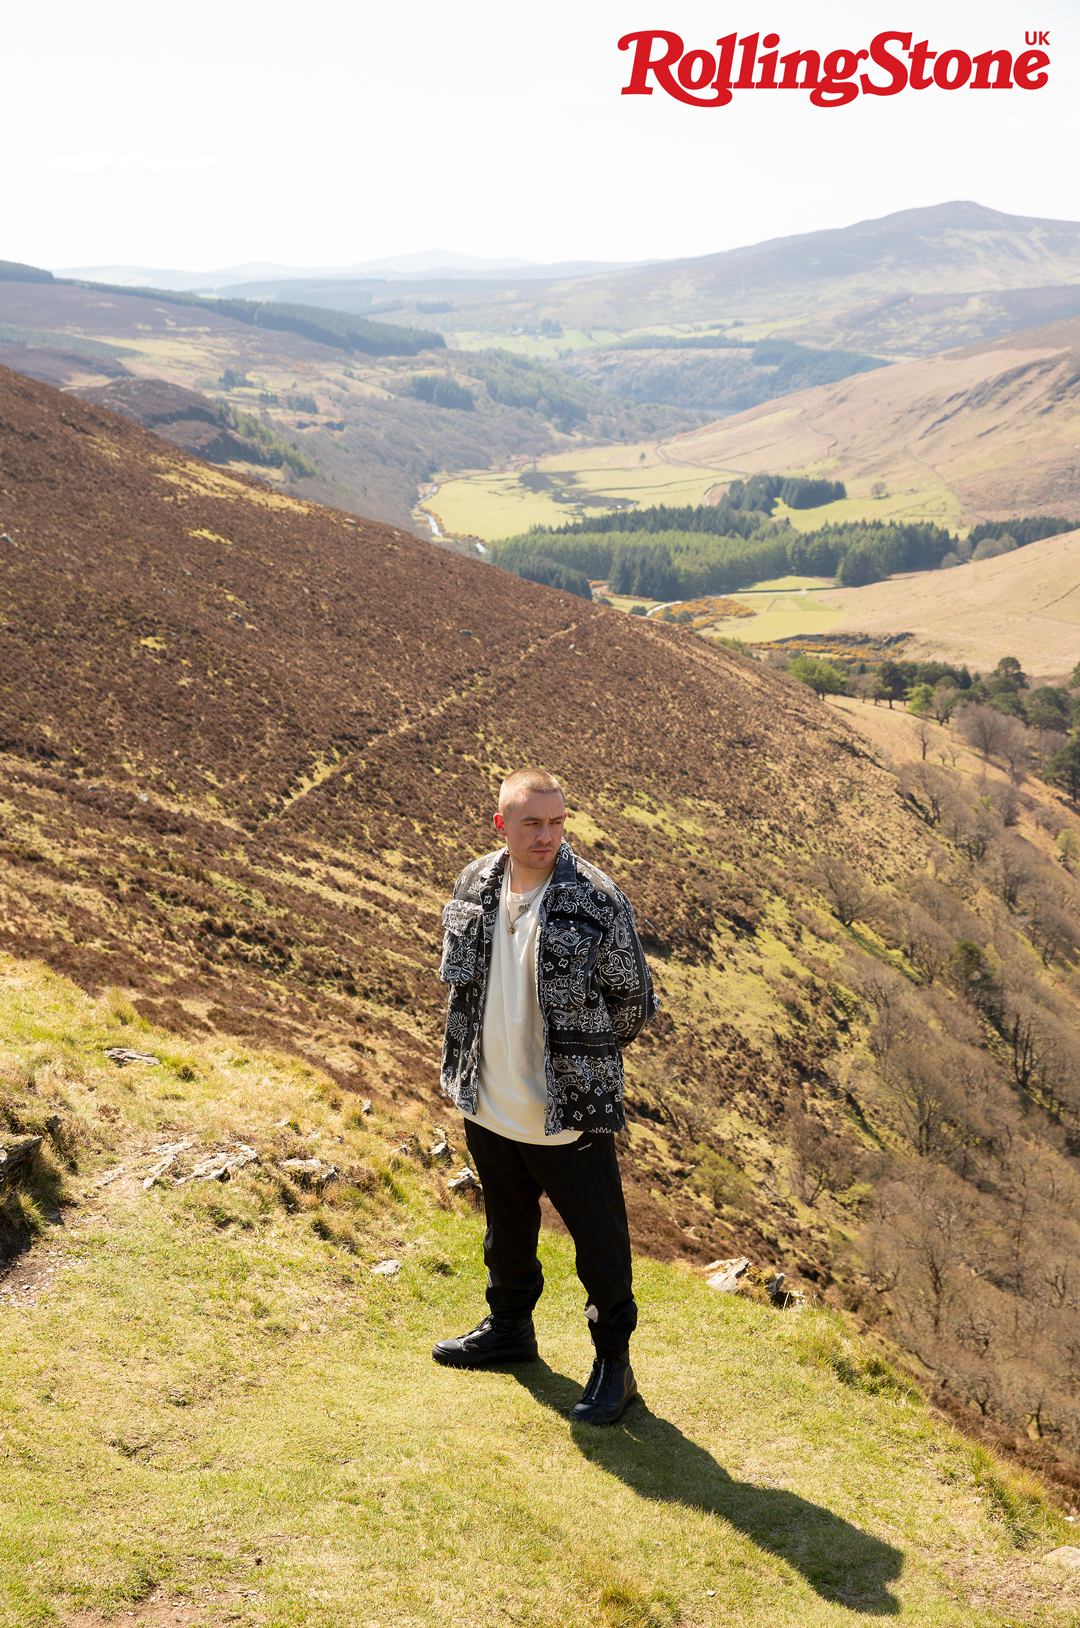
(662, 552)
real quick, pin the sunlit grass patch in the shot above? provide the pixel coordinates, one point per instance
(232, 1411)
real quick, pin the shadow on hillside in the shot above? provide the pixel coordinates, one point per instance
(657, 1461)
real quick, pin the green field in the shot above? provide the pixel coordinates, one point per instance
(544, 347)
(788, 608)
(777, 585)
(496, 505)
(784, 616)
(778, 614)
(934, 502)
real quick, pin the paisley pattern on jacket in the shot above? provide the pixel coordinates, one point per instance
(593, 983)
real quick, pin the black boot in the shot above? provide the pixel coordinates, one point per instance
(608, 1394)
(496, 1339)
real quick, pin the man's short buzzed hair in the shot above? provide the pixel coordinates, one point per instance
(523, 780)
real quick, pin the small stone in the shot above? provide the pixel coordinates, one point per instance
(386, 1269)
(365, 1106)
(170, 1152)
(1067, 1557)
(222, 1166)
(441, 1150)
(122, 1056)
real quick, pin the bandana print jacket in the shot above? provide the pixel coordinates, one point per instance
(593, 983)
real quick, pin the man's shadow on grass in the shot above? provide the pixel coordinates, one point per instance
(657, 1461)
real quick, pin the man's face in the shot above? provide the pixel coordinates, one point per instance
(532, 828)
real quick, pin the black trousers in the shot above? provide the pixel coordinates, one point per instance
(583, 1183)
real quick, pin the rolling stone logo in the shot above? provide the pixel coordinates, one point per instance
(833, 78)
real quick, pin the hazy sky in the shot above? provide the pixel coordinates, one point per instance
(218, 133)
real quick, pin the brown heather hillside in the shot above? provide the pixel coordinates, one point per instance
(247, 744)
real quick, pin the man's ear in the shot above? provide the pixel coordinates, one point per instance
(498, 822)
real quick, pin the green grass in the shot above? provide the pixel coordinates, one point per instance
(779, 585)
(493, 506)
(784, 616)
(929, 499)
(217, 1403)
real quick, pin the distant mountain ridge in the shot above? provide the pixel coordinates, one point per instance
(438, 263)
(844, 286)
(876, 285)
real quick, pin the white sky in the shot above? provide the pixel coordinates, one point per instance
(215, 133)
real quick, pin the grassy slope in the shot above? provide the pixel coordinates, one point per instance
(1026, 603)
(209, 1385)
(965, 436)
(253, 852)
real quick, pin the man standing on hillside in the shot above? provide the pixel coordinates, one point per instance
(548, 982)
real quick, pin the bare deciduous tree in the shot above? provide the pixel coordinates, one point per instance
(924, 734)
(944, 702)
(1004, 796)
(930, 788)
(1013, 746)
(1012, 865)
(1052, 922)
(848, 893)
(926, 1101)
(820, 1159)
(982, 728)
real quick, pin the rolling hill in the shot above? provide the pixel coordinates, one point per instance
(906, 284)
(1027, 604)
(246, 743)
(985, 432)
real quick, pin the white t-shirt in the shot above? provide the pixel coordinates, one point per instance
(512, 1095)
